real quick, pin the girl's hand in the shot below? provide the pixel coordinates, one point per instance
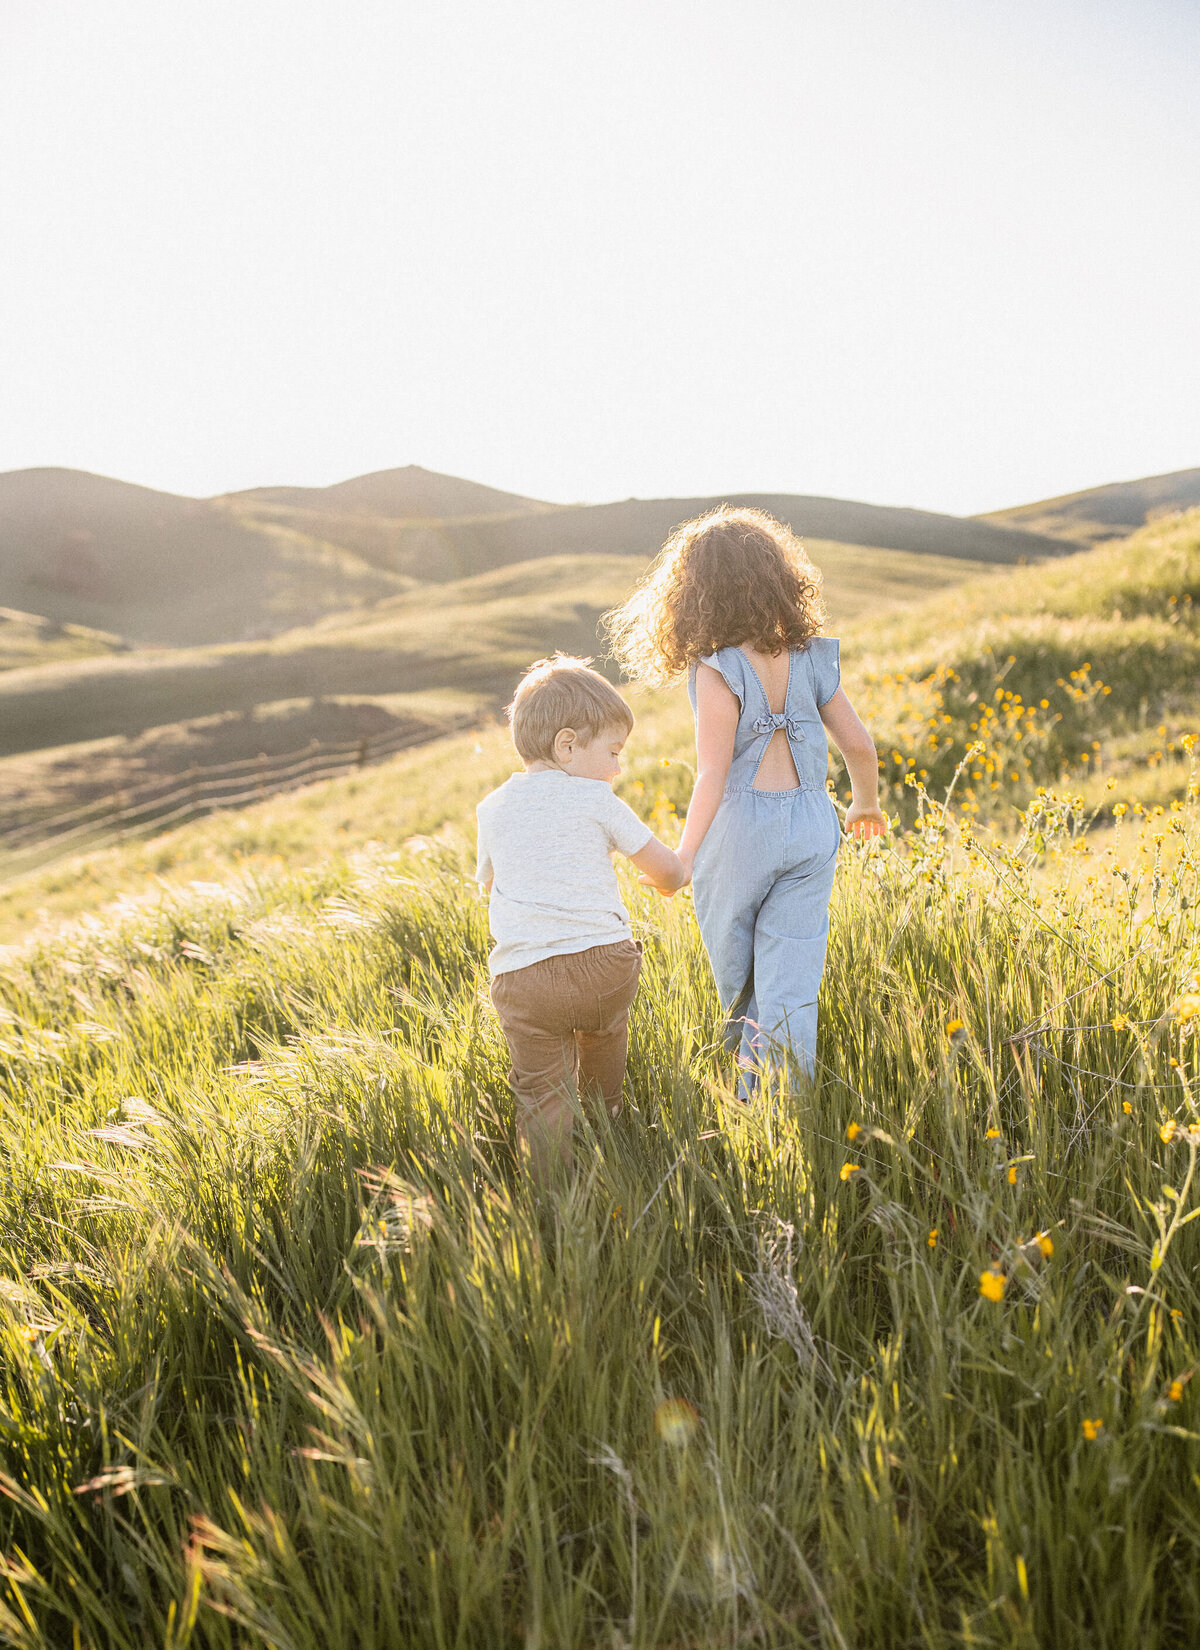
(864, 822)
(669, 893)
(685, 863)
(660, 867)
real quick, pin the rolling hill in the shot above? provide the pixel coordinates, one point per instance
(31, 639)
(407, 493)
(455, 547)
(160, 570)
(1109, 512)
(1058, 633)
(474, 635)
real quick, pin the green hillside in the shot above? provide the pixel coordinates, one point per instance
(1108, 512)
(1087, 669)
(293, 1358)
(161, 570)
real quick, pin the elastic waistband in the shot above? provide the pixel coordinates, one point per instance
(792, 790)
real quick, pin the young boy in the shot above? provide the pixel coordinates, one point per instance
(565, 964)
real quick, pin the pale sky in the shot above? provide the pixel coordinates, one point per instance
(943, 253)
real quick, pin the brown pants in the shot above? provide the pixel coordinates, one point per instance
(567, 1024)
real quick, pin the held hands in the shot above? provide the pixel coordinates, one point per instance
(679, 879)
(864, 822)
(661, 868)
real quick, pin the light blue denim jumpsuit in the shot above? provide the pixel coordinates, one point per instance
(764, 871)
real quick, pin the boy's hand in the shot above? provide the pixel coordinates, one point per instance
(864, 822)
(685, 866)
(660, 867)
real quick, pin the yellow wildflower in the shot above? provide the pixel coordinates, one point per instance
(27, 1333)
(954, 1028)
(1012, 1174)
(1176, 1315)
(1126, 1107)
(1188, 1006)
(848, 1169)
(992, 1284)
(1167, 1132)
(1120, 1022)
(993, 1134)
(1091, 1429)
(931, 1240)
(1175, 1391)
(852, 1131)
(1046, 1244)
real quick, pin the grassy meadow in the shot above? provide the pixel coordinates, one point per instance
(293, 1357)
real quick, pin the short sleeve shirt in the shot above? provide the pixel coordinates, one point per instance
(547, 840)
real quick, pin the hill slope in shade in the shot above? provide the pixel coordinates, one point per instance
(1109, 512)
(404, 494)
(162, 570)
(455, 548)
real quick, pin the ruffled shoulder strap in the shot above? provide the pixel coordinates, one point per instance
(824, 661)
(733, 666)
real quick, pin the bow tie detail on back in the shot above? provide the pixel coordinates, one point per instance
(778, 721)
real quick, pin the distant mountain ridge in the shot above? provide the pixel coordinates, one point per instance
(461, 545)
(1109, 512)
(407, 493)
(158, 569)
(162, 570)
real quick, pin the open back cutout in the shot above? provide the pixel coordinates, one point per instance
(776, 770)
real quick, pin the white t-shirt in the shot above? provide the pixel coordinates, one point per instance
(547, 838)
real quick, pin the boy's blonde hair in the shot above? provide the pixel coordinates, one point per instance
(728, 578)
(563, 693)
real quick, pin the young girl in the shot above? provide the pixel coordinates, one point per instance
(733, 600)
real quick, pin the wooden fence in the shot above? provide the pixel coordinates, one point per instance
(159, 804)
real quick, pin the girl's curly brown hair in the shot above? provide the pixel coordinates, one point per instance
(728, 578)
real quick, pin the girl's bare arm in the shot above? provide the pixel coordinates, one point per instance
(843, 726)
(716, 725)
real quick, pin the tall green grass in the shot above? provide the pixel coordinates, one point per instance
(293, 1357)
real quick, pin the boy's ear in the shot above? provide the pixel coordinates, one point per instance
(564, 739)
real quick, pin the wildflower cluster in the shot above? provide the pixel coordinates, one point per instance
(973, 730)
